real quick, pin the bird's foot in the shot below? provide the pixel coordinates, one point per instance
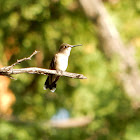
(59, 72)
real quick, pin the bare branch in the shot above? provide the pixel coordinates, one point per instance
(59, 124)
(7, 71)
(71, 122)
(35, 70)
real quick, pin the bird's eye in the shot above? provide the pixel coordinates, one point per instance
(65, 46)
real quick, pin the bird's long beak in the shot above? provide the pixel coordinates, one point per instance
(75, 45)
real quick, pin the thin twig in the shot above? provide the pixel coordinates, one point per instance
(21, 60)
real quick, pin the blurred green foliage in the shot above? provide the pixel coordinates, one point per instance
(43, 25)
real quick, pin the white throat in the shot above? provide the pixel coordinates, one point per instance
(67, 51)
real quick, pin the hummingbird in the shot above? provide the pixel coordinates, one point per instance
(59, 63)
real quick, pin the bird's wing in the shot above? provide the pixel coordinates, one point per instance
(52, 64)
(52, 78)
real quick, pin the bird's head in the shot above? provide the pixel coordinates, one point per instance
(66, 48)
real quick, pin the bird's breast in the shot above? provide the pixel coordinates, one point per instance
(61, 62)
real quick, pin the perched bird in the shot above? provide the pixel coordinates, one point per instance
(59, 63)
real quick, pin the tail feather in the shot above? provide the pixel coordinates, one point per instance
(51, 85)
(46, 85)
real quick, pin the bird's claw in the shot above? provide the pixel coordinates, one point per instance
(59, 72)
